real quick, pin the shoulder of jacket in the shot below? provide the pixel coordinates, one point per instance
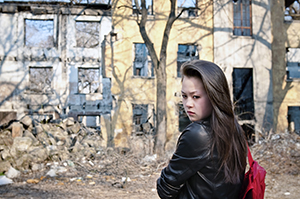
(196, 131)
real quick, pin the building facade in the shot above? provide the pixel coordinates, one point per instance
(52, 61)
(134, 84)
(243, 48)
(286, 65)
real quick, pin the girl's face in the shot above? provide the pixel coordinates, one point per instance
(195, 100)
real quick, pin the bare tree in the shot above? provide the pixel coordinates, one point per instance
(159, 62)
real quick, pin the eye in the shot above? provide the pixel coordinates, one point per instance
(183, 96)
(196, 97)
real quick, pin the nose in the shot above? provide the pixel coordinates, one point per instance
(189, 103)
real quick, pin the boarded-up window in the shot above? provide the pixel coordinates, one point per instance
(189, 6)
(137, 7)
(183, 118)
(242, 22)
(39, 33)
(87, 34)
(186, 53)
(88, 80)
(243, 93)
(40, 79)
(293, 63)
(142, 65)
(292, 10)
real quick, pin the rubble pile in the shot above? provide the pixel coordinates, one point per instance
(68, 148)
(27, 144)
(279, 153)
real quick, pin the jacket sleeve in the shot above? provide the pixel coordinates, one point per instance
(190, 156)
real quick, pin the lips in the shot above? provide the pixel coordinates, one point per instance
(190, 113)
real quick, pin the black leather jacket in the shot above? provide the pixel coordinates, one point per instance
(193, 171)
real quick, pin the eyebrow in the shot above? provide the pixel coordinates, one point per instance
(193, 92)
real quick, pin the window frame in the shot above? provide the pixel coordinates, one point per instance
(242, 27)
(22, 29)
(292, 63)
(29, 87)
(88, 21)
(148, 62)
(196, 57)
(188, 11)
(150, 10)
(99, 80)
(142, 118)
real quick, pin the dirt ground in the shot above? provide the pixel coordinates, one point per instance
(277, 186)
(280, 158)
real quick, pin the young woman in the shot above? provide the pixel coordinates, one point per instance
(210, 158)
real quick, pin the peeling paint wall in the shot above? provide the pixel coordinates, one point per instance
(34, 39)
(253, 52)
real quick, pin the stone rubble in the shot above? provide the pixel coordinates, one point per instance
(27, 144)
(32, 151)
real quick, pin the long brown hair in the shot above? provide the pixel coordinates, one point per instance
(227, 135)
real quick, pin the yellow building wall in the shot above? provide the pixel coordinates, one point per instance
(128, 89)
(286, 93)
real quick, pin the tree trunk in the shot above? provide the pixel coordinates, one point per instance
(161, 108)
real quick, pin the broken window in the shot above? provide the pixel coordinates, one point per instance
(243, 93)
(88, 80)
(242, 17)
(292, 10)
(89, 120)
(142, 65)
(189, 7)
(294, 119)
(137, 7)
(186, 53)
(184, 120)
(40, 79)
(139, 116)
(293, 63)
(87, 34)
(39, 33)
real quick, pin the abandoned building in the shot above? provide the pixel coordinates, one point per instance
(52, 61)
(88, 61)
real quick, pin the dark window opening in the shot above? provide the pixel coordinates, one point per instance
(184, 121)
(243, 93)
(242, 18)
(139, 116)
(142, 65)
(39, 33)
(293, 63)
(137, 9)
(87, 34)
(40, 79)
(189, 7)
(292, 10)
(88, 80)
(186, 53)
(294, 119)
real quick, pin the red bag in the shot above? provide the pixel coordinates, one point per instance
(254, 181)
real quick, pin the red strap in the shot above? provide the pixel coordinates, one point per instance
(250, 159)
